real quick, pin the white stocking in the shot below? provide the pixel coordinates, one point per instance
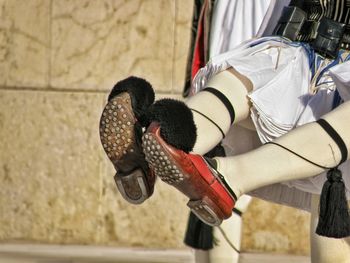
(230, 232)
(233, 86)
(271, 164)
(323, 249)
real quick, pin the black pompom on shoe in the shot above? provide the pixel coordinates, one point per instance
(141, 94)
(177, 126)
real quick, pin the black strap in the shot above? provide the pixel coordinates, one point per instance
(302, 157)
(237, 212)
(333, 134)
(205, 116)
(336, 137)
(224, 100)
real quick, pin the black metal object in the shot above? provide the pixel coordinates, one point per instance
(329, 37)
(291, 22)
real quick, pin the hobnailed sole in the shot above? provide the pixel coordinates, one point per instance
(166, 168)
(117, 134)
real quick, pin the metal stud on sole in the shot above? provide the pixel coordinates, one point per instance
(203, 211)
(164, 167)
(116, 128)
(160, 161)
(117, 134)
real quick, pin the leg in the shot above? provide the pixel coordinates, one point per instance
(235, 88)
(323, 249)
(126, 113)
(227, 238)
(229, 229)
(170, 125)
(210, 196)
(273, 164)
(229, 235)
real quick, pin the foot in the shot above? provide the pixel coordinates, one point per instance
(120, 133)
(211, 199)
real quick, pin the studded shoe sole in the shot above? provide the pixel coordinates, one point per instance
(189, 173)
(120, 135)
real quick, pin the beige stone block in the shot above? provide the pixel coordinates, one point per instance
(160, 222)
(24, 43)
(96, 43)
(51, 167)
(3, 43)
(184, 10)
(269, 227)
(56, 186)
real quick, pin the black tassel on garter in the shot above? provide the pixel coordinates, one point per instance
(334, 218)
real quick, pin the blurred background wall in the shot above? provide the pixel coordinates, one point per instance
(58, 60)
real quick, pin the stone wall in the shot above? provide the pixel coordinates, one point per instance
(58, 59)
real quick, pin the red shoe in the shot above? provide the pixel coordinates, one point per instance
(210, 197)
(120, 134)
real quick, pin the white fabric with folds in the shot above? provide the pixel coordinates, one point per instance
(282, 99)
(234, 21)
